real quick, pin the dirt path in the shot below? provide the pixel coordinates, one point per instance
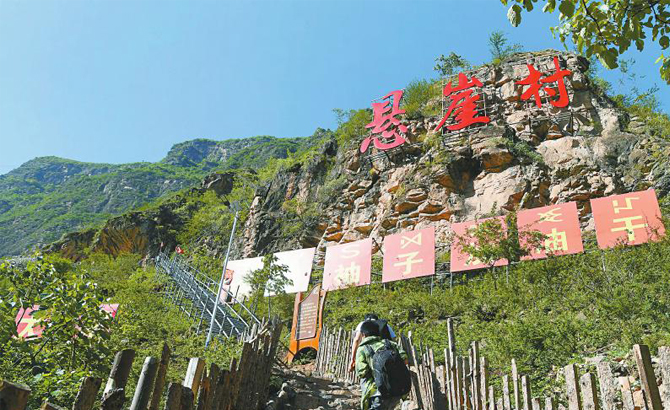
(306, 392)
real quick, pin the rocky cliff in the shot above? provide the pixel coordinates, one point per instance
(526, 157)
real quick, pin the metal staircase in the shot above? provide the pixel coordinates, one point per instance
(195, 294)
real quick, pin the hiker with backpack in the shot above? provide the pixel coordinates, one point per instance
(385, 332)
(382, 367)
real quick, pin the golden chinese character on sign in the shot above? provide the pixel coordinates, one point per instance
(347, 275)
(629, 227)
(628, 207)
(556, 241)
(407, 263)
(551, 216)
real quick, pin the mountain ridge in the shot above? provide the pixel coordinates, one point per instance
(50, 196)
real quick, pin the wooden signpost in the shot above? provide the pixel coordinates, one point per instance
(307, 321)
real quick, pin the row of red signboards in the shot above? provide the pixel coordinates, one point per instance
(28, 327)
(628, 219)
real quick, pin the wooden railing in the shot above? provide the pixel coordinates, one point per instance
(243, 385)
(464, 383)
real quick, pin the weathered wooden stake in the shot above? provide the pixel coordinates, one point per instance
(572, 388)
(194, 374)
(145, 384)
(515, 385)
(607, 385)
(507, 405)
(587, 385)
(13, 396)
(643, 359)
(173, 397)
(159, 385)
(549, 403)
(525, 386)
(626, 394)
(118, 376)
(664, 364)
(87, 393)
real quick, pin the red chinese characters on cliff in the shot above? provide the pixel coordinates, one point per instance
(385, 124)
(347, 265)
(409, 255)
(560, 226)
(461, 260)
(534, 81)
(628, 219)
(463, 105)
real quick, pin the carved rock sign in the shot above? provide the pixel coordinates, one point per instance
(307, 321)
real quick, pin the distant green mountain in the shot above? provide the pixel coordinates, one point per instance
(49, 196)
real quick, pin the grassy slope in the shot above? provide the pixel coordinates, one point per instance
(545, 314)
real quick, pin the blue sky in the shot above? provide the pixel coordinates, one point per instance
(122, 81)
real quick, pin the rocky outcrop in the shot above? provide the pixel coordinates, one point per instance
(526, 157)
(142, 232)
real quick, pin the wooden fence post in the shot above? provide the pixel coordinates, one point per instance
(525, 386)
(13, 396)
(572, 388)
(145, 384)
(87, 394)
(549, 403)
(173, 397)
(194, 374)
(607, 385)
(113, 399)
(118, 376)
(507, 405)
(643, 359)
(587, 385)
(186, 399)
(515, 385)
(536, 404)
(664, 364)
(159, 385)
(626, 394)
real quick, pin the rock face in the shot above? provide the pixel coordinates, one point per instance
(141, 232)
(526, 157)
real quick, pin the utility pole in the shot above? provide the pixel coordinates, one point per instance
(235, 206)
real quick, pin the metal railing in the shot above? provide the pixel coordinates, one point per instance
(194, 294)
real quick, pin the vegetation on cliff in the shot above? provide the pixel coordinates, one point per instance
(49, 196)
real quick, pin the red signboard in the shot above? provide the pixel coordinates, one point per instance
(28, 327)
(559, 224)
(385, 124)
(409, 255)
(347, 265)
(460, 260)
(628, 219)
(534, 81)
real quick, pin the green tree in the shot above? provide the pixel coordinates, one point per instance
(270, 279)
(606, 28)
(451, 64)
(500, 48)
(495, 239)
